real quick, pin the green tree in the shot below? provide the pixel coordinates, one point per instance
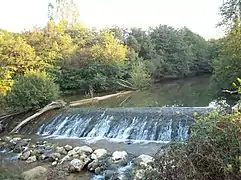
(32, 90)
(139, 75)
(16, 57)
(108, 50)
(227, 66)
(230, 10)
(63, 10)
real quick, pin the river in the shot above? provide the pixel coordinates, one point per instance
(139, 123)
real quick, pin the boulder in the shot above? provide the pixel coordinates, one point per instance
(61, 150)
(144, 160)
(42, 157)
(76, 148)
(93, 165)
(31, 159)
(68, 147)
(25, 155)
(72, 152)
(99, 170)
(98, 153)
(76, 165)
(55, 156)
(120, 157)
(85, 150)
(54, 163)
(37, 173)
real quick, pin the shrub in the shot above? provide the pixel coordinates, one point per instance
(32, 91)
(139, 76)
(213, 151)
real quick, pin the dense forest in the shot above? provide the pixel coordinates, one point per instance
(65, 56)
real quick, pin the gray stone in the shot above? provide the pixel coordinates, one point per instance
(61, 150)
(37, 173)
(85, 150)
(98, 153)
(68, 147)
(72, 152)
(76, 165)
(99, 170)
(54, 163)
(31, 159)
(55, 156)
(144, 160)
(25, 155)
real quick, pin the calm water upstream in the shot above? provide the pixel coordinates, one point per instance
(187, 92)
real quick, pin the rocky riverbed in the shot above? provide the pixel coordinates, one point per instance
(48, 160)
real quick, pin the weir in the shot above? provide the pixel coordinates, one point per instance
(138, 124)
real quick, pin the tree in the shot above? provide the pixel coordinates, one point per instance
(227, 66)
(52, 43)
(16, 58)
(32, 90)
(230, 10)
(108, 49)
(63, 10)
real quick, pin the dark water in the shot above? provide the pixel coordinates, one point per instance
(186, 92)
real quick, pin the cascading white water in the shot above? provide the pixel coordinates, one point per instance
(150, 124)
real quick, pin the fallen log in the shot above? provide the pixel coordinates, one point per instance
(97, 99)
(229, 92)
(51, 106)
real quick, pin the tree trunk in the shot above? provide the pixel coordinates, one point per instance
(53, 105)
(97, 99)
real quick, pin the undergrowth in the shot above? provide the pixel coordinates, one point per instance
(213, 152)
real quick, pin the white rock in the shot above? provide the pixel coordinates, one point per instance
(76, 148)
(31, 159)
(42, 157)
(119, 155)
(37, 173)
(144, 160)
(54, 163)
(98, 153)
(72, 152)
(85, 149)
(68, 147)
(25, 155)
(61, 150)
(55, 156)
(76, 165)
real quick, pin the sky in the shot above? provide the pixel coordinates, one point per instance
(200, 16)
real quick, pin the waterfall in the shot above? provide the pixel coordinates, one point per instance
(138, 124)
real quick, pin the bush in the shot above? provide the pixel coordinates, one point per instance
(32, 91)
(213, 151)
(139, 76)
